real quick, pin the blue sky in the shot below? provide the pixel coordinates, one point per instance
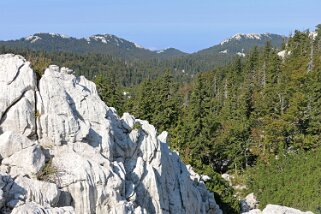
(188, 25)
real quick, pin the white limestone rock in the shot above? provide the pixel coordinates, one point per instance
(163, 137)
(17, 100)
(255, 211)
(132, 165)
(249, 203)
(21, 116)
(128, 121)
(284, 53)
(102, 164)
(72, 111)
(277, 209)
(11, 142)
(90, 184)
(228, 178)
(40, 192)
(27, 161)
(33, 208)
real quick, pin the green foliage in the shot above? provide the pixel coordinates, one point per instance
(39, 63)
(156, 101)
(292, 180)
(223, 193)
(137, 126)
(110, 92)
(125, 73)
(48, 173)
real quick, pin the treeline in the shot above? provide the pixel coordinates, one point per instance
(251, 111)
(126, 73)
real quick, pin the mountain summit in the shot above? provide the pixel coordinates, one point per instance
(250, 36)
(242, 43)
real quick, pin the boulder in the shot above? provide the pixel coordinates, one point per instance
(40, 192)
(249, 203)
(277, 209)
(27, 161)
(11, 142)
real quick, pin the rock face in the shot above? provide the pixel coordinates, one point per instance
(17, 100)
(62, 150)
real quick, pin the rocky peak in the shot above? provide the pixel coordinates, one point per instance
(106, 39)
(62, 150)
(40, 36)
(253, 36)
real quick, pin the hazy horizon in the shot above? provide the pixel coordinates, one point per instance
(186, 25)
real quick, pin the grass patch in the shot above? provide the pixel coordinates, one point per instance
(48, 173)
(137, 126)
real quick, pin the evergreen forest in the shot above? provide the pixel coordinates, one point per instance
(252, 117)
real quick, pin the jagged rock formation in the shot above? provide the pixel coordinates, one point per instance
(62, 150)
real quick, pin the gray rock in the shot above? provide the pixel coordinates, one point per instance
(17, 109)
(11, 142)
(33, 208)
(2, 199)
(249, 203)
(27, 161)
(128, 121)
(40, 192)
(277, 209)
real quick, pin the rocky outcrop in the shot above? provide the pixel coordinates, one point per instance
(62, 150)
(276, 209)
(17, 100)
(250, 202)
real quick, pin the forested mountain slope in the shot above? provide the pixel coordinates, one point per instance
(97, 44)
(262, 109)
(139, 63)
(237, 45)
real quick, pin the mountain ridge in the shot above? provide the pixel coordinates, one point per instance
(134, 58)
(97, 43)
(114, 41)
